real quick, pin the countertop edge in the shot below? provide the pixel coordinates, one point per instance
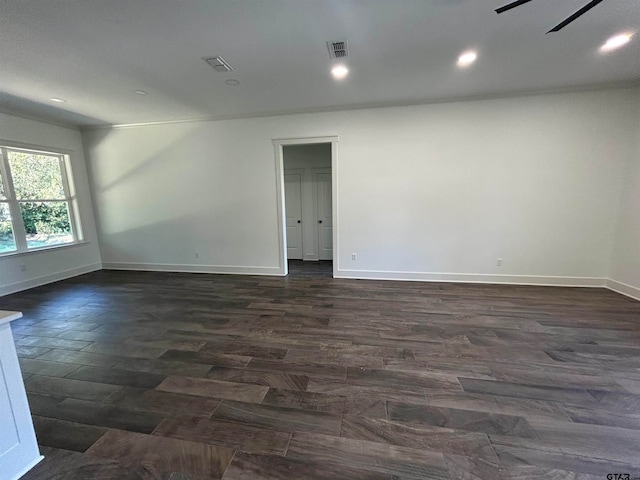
(7, 316)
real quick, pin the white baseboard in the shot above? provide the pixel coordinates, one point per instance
(623, 289)
(614, 285)
(166, 267)
(44, 280)
(474, 278)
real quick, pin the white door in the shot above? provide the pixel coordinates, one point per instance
(293, 209)
(322, 181)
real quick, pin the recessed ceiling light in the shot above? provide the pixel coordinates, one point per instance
(58, 100)
(139, 92)
(339, 72)
(467, 58)
(232, 81)
(616, 42)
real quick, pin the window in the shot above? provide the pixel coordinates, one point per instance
(36, 206)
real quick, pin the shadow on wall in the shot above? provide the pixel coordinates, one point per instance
(165, 150)
(170, 197)
(181, 237)
(106, 178)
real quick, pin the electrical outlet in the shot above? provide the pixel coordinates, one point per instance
(499, 262)
(197, 254)
(354, 256)
(23, 267)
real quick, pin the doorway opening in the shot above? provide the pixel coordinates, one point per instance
(307, 205)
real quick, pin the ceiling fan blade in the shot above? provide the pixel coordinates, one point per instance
(512, 5)
(579, 13)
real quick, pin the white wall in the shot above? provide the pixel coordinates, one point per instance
(307, 159)
(625, 272)
(314, 155)
(424, 192)
(51, 265)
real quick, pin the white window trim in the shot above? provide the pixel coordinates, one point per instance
(19, 231)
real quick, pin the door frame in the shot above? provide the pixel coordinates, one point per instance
(279, 144)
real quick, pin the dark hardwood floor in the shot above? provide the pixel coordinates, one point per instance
(134, 375)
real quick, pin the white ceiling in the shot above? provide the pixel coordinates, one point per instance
(93, 53)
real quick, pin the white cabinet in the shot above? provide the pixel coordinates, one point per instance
(18, 446)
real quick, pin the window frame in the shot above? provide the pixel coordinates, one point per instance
(17, 222)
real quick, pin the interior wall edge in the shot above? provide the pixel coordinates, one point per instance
(92, 189)
(535, 280)
(186, 268)
(34, 268)
(625, 85)
(46, 279)
(39, 118)
(523, 280)
(623, 289)
(556, 200)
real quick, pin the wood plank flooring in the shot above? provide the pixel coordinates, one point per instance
(134, 375)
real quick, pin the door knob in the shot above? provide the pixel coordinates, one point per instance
(319, 221)
(298, 221)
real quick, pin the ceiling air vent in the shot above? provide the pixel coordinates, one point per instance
(337, 49)
(219, 64)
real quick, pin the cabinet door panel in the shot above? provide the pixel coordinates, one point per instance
(18, 446)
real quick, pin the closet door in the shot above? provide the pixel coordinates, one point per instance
(293, 210)
(322, 182)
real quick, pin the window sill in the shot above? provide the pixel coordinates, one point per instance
(43, 249)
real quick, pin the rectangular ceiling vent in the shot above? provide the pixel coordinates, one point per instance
(219, 64)
(338, 49)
